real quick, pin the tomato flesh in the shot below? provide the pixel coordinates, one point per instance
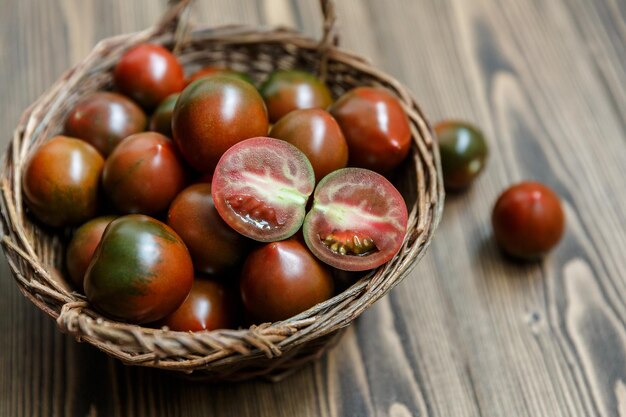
(358, 220)
(261, 186)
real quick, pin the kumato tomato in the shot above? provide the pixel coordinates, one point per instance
(214, 246)
(103, 119)
(528, 220)
(211, 71)
(375, 126)
(282, 279)
(358, 220)
(288, 90)
(463, 153)
(212, 114)
(261, 186)
(82, 247)
(61, 181)
(141, 271)
(149, 73)
(209, 306)
(161, 120)
(316, 133)
(143, 174)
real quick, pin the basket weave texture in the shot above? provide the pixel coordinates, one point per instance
(35, 253)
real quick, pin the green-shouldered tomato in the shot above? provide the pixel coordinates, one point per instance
(144, 174)
(141, 271)
(82, 247)
(211, 71)
(61, 181)
(103, 119)
(288, 90)
(161, 120)
(212, 114)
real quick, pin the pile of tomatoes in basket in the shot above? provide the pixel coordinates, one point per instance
(203, 202)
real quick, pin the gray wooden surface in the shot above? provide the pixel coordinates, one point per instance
(468, 333)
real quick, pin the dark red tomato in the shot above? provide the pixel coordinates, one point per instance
(375, 126)
(103, 119)
(358, 220)
(214, 246)
(261, 186)
(213, 114)
(148, 74)
(285, 91)
(282, 279)
(209, 306)
(210, 71)
(62, 180)
(141, 271)
(143, 174)
(528, 220)
(463, 153)
(161, 120)
(317, 134)
(82, 247)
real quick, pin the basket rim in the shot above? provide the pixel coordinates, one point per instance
(226, 346)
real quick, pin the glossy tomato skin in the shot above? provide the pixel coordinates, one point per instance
(103, 119)
(288, 90)
(62, 180)
(358, 220)
(214, 246)
(141, 271)
(149, 73)
(144, 174)
(209, 306)
(463, 153)
(214, 113)
(82, 247)
(161, 120)
(316, 133)
(282, 279)
(261, 186)
(375, 126)
(211, 71)
(528, 220)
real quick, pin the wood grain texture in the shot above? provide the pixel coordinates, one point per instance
(468, 333)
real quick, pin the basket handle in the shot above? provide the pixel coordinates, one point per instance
(176, 20)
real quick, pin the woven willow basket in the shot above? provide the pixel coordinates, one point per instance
(35, 254)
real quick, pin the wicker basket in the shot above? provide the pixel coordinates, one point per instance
(35, 254)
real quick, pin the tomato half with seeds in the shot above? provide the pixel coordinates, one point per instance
(141, 271)
(209, 306)
(62, 181)
(261, 186)
(82, 247)
(358, 220)
(161, 120)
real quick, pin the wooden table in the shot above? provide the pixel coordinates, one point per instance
(468, 333)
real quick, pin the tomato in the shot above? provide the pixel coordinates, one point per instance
(61, 181)
(213, 114)
(463, 153)
(317, 134)
(375, 126)
(141, 271)
(210, 71)
(214, 246)
(103, 119)
(282, 279)
(528, 220)
(209, 306)
(82, 247)
(161, 120)
(261, 186)
(288, 90)
(358, 220)
(148, 74)
(143, 174)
